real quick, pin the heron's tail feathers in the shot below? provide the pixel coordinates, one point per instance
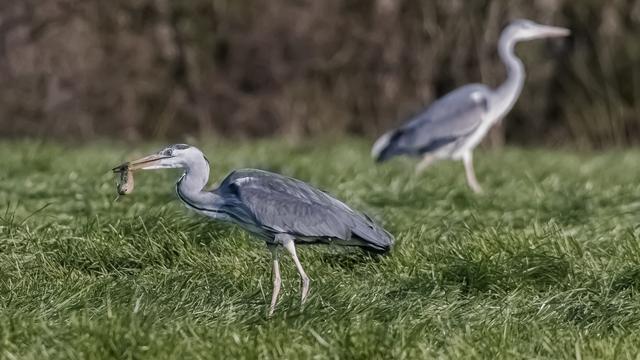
(386, 146)
(374, 238)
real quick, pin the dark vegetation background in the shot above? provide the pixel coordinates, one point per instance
(138, 69)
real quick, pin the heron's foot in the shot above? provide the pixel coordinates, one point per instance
(476, 188)
(277, 281)
(274, 296)
(471, 174)
(305, 289)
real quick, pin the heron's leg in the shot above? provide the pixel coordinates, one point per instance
(426, 161)
(471, 175)
(277, 281)
(291, 248)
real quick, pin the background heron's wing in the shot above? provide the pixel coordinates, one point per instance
(282, 204)
(448, 119)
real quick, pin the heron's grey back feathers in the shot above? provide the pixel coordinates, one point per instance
(279, 204)
(447, 120)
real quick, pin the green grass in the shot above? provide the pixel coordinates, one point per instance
(545, 264)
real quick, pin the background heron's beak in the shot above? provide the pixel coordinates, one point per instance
(141, 164)
(553, 31)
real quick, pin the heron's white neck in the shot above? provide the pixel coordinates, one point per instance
(508, 92)
(196, 176)
(191, 185)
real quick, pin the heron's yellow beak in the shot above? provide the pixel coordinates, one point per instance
(151, 161)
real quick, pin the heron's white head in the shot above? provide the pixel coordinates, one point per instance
(174, 156)
(523, 30)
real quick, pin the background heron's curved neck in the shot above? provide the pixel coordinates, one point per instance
(508, 92)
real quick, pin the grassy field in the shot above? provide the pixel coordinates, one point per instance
(545, 264)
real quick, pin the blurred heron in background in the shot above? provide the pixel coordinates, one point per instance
(456, 123)
(280, 210)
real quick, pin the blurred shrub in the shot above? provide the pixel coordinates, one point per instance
(162, 68)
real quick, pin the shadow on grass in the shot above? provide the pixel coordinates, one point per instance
(628, 279)
(536, 270)
(345, 258)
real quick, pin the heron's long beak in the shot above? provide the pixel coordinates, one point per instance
(142, 163)
(553, 31)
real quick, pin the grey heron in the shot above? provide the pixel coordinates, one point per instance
(452, 126)
(280, 210)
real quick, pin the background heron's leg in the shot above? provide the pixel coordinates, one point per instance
(427, 160)
(277, 281)
(471, 175)
(291, 248)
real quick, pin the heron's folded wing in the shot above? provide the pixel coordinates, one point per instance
(276, 183)
(282, 204)
(280, 212)
(448, 119)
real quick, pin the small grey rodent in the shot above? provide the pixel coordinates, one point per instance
(125, 183)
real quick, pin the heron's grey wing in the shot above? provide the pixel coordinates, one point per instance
(283, 204)
(448, 119)
(276, 183)
(281, 213)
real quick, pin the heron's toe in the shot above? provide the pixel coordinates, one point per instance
(305, 289)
